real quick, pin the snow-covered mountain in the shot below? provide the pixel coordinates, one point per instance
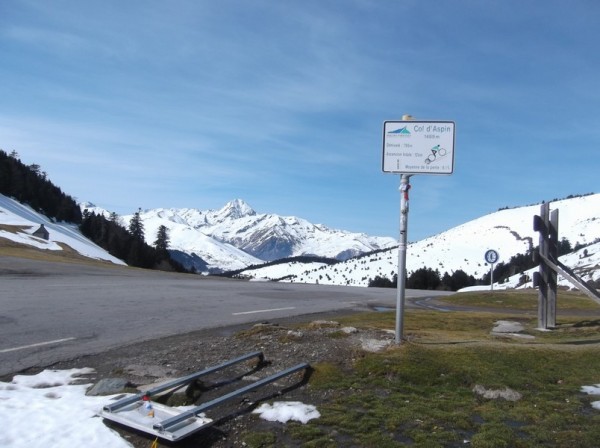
(509, 232)
(225, 239)
(19, 222)
(236, 236)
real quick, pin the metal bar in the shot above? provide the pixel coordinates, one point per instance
(180, 381)
(166, 424)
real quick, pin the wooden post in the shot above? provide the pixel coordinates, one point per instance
(552, 275)
(546, 277)
(543, 269)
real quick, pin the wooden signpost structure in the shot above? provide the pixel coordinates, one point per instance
(546, 223)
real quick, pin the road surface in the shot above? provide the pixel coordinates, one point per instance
(57, 311)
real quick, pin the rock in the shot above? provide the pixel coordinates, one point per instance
(153, 371)
(265, 325)
(494, 394)
(373, 345)
(507, 326)
(109, 386)
(510, 329)
(324, 324)
(349, 330)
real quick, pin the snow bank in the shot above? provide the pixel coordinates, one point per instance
(47, 410)
(13, 213)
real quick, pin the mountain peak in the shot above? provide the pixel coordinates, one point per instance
(236, 209)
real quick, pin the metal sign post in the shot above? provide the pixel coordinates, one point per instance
(491, 256)
(401, 282)
(414, 147)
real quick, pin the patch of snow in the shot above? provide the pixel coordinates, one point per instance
(48, 410)
(592, 390)
(284, 411)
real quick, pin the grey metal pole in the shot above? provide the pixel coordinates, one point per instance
(491, 276)
(401, 285)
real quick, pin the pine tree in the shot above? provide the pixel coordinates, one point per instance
(162, 239)
(136, 226)
(29, 185)
(424, 278)
(113, 217)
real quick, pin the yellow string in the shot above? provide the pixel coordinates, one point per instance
(155, 443)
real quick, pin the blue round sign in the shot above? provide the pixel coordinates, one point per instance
(491, 256)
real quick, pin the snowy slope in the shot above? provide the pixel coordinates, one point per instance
(183, 237)
(280, 270)
(509, 232)
(584, 262)
(235, 236)
(26, 221)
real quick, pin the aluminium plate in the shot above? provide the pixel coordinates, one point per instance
(132, 417)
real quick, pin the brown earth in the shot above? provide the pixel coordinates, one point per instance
(284, 344)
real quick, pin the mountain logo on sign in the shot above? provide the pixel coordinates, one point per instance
(402, 131)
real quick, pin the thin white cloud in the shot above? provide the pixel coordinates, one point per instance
(275, 100)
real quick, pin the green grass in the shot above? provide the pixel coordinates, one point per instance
(423, 395)
(420, 394)
(260, 440)
(525, 300)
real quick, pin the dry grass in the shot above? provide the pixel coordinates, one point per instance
(10, 248)
(421, 393)
(14, 229)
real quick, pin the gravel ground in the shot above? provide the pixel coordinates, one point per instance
(284, 344)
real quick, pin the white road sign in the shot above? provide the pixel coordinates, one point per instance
(491, 256)
(418, 147)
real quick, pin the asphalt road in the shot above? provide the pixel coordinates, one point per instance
(56, 311)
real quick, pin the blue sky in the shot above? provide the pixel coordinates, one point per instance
(192, 103)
